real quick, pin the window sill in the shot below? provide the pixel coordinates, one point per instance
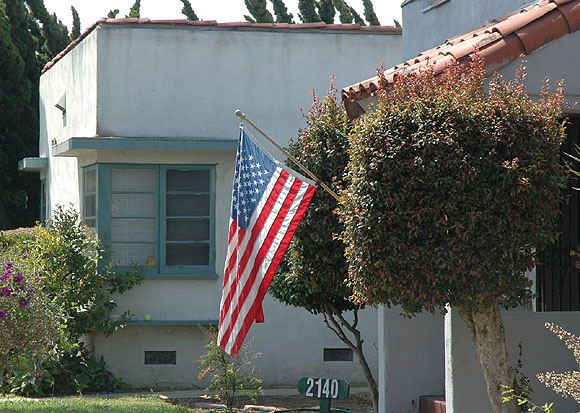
(171, 323)
(208, 276)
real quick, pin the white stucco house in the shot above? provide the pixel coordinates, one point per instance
(138, 133)
(431, 354)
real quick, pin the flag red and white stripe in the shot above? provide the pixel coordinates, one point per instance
(268, 203)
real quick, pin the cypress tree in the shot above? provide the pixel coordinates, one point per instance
(19, 74)
(326, 11)
(112, 14)
(188, 11)
(76, 28)
(370, 15)
(258, 10)
(307, 12)
(135, 11)
(345, 14)
(54, 32)
(281, 12)
(356, 17)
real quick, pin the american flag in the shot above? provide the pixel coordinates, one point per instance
(268, 202)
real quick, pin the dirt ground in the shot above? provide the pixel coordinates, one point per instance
(355, 403)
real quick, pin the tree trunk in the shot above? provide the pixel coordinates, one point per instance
(368, 376)
(357, 346)
(488, 335)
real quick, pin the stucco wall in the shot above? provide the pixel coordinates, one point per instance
(193, 80)
(425, 28)
(75, 78)
(173, 82)
(412, 363)
(542, 352)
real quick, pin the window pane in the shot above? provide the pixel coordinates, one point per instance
(187, 181)
(180, 229)
(133, 205)
(134, 180)
(90, 182)
(90, 205)
(187, 205)
(133, 230)
(187, 254)
(89, 194)
(126, 254)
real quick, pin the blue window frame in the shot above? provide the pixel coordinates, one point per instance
(158, 216)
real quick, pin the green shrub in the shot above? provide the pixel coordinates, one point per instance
(73, 270)
(30, 326)
(228, 374)
(80, 275)
(454, 182)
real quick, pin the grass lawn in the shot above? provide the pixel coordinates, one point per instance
(83, 404)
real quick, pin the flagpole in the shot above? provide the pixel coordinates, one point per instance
(292, 158)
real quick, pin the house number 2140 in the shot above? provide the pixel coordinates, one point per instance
(323, 388)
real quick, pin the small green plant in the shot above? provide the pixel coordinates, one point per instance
(230, 376)
(523, 386)
(522, 400)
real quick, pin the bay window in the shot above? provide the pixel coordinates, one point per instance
(158, 216)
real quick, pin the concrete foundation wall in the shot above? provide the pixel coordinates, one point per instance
(291, 343)
(542, 351)
(124, 352)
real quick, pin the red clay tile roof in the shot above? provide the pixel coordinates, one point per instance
(276, 26)
(499, 42)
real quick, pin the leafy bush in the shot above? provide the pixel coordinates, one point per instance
(228, 374)
(80, 275)
(76, 280)
(314, 270)
(313, 273)
(30, 326)
(80, 372)
(454, 187)
(453, 190)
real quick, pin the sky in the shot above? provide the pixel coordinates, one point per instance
(220, 10)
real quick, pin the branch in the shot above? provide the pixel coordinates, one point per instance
(329, 315)
(352, 328)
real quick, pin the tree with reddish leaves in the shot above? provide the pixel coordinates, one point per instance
(451, 192)
(313, 272)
